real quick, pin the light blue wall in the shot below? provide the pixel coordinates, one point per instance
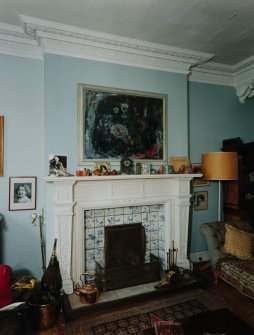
(22, 104)
(63, 74)
(215, 114)
(62, 77)
(39, 102)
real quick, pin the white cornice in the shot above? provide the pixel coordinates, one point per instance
(213, 73)
(14, 42)
(36, 37)
(240, 75)
(76, 42)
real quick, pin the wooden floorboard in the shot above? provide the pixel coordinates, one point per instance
(241, 305)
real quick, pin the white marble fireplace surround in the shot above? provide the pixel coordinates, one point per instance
(74, 195)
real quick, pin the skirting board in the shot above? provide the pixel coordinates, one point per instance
(199, 256)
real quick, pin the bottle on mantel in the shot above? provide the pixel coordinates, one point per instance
(52, 279)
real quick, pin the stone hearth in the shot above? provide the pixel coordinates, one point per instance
(74, 195)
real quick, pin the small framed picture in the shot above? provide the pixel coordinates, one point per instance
(196, 182)
(179, 164)
(200, 200)
(145, 168)
(58, 165)
(138, 168)
(22, 193)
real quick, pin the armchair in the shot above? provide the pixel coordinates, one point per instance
(214, 232)
(236, 265)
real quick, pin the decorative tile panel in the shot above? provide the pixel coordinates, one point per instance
(152, 218)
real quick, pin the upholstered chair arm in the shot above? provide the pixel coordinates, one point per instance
(214, 233)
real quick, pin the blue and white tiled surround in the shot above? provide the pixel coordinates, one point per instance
(160, 202)
(152, 218)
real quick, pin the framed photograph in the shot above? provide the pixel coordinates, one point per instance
(126, 165)
(114, 123)
(145, 168)
(138, 168)
(179, 164)
(196, 182)
(200, 200)
(1, 145)
(57, 165)
(22, 193)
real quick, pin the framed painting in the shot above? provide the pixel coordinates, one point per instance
(200, 200)
(1, 145)
(22, 193)
(179, 164)
(117, 123)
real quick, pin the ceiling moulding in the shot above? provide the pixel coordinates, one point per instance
(240, 75)
(14, 42)
(82, 43)
(213, 73)
(36, 37)
(244, 79)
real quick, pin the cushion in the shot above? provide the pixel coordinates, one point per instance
(238, 243)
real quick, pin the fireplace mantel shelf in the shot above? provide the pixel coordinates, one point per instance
(121, 177)
(73, 195)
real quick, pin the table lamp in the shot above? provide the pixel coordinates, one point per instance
(219, 166)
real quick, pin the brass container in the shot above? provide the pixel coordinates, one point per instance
(43, 314)
(88, 293)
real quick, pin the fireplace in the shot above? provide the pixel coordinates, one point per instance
(73, 196)
(131, 233)
(125, 264)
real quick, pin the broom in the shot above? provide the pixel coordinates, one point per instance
(51, 279)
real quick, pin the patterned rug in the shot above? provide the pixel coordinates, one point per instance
(131, 320)
(134, 324)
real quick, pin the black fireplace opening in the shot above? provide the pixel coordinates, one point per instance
(125, 265)
(124, 245)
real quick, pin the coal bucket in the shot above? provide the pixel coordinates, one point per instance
(43, 309)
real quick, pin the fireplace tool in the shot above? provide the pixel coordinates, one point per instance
(88, 292)
(51, 279)
(41, 221)
(44, 305)
(173, 273)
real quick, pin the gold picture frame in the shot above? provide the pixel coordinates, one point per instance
(1, 145)
(115, 122)
(179, 164)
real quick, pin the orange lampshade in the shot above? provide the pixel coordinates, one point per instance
(220, 166)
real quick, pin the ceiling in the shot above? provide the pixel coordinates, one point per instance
(224, 28)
